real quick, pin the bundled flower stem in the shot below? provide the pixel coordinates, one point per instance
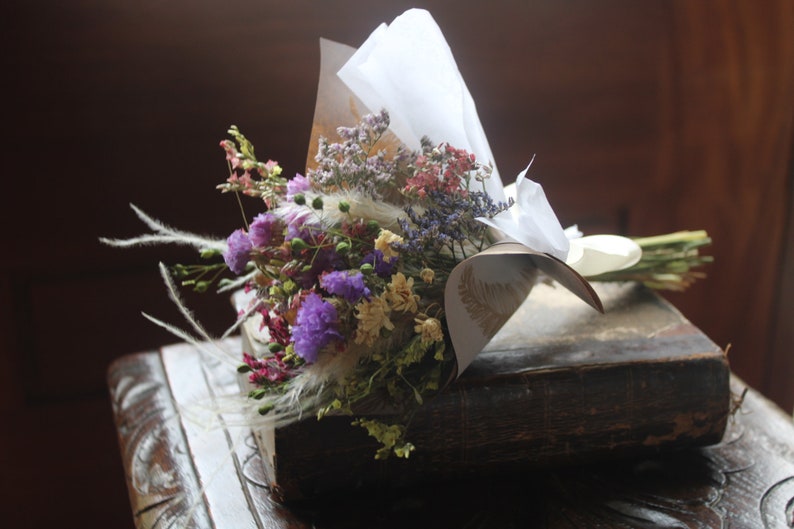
(668, 261)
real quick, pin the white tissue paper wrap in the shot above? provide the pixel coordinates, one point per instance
(407, 68)
(531, 221)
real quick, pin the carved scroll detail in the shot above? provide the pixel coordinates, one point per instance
(157, 462)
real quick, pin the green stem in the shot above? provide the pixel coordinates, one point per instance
(242, 210)
(672, 238)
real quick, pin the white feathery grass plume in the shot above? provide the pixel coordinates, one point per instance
(306, 392)
(216, 351)
(242, 318)
(235, 284)
(361, 206)
(164, 234)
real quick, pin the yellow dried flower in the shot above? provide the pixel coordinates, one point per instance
(429, 329)
(372, 315)
(399, 293)
(427, 275)
(384, 242)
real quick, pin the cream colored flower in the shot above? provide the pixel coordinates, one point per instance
(372, 315)
(427, 275)
(429, 329)
(399, 293)
(384, 242)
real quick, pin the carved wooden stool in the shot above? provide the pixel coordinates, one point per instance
(182, 475)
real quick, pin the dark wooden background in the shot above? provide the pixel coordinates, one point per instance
(645, 117)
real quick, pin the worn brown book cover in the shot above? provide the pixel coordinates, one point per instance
(560, 384)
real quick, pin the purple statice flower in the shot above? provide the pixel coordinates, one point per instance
(315, 327)
(297, 184)
(300, 231)
(383, 267)
(298, 225)
(324, 260)
(265, 228)
(315, 260)
(349, 286)
(238, 251)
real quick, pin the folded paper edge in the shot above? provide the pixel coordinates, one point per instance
(469, 330)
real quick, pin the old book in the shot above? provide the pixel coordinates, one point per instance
(560, 384)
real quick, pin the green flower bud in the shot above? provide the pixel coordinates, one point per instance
(344, 206)
(299, 199)
(317, 203)
(275, 347)
(298, 244)
(343, 247)
(257, 394)
(367, 269)
(373, 225)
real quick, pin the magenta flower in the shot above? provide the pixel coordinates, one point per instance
(315, 327)
(238, 251)
(277, 327)
(267, 371)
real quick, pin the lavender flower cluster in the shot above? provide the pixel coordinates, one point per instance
(355, 162)
(451, 225)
